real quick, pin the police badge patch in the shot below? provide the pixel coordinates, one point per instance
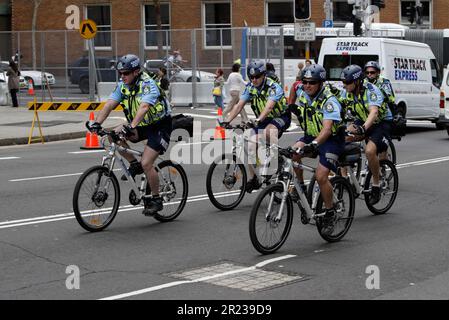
(146, 90)
(373, 96)
(329, 107)
(272, 92)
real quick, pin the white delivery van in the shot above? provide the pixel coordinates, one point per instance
(410, 66)
(444, 101)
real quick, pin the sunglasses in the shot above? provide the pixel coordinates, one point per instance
(348, 82)
(312, 83)
(124, 73)
(256, 77)
(370, 72)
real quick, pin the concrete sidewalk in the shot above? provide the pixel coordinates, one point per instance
(15, 124)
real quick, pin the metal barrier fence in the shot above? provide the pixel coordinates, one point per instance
(64, 54)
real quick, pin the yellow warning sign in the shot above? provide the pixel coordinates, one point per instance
(69, 106)
(88, 29)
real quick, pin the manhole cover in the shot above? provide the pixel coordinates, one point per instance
(231, 275)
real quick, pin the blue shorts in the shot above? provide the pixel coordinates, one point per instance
(379, 134)
(282, 123)
(158, 134)
(329, 151)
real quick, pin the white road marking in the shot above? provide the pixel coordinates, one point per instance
(196, 198)
(86, 151)
(9, 158)
(51, 177)
(177, 283)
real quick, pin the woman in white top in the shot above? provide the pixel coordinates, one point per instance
(235, 84)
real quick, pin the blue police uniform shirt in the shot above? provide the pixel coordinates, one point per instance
(376, 98)
(275, 92)
(331, 109)
(299, 90)
(150, 93)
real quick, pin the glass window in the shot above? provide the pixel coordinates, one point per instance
(152, 34)
(217, 24)
(436, 74)
(279, 13)
(101, 15)
(334, 64)
(408, 10)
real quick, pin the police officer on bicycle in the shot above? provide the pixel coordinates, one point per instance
(366, 103)
(270, 107)
(148, 114)
(320, 116)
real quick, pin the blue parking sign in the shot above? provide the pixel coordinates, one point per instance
(328, 23)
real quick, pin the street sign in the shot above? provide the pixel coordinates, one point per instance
(88, 29)
(305, 31)
(328, 23)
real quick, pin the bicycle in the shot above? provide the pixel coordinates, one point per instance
(361, 179)
(272, 213)
(226, 187)
(96, 197)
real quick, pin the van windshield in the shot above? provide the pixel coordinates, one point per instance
(334, 64)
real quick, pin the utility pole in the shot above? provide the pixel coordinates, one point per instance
(418, 13)
(329, 8)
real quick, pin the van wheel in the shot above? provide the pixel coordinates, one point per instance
(440, 126)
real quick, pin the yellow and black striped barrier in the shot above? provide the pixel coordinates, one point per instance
(68, 106)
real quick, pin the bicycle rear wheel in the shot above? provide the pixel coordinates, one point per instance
(267, 233)
(96, 198)
(391, 152)
(344, 202)
(389, 183)
(173, 188)
(226, 182)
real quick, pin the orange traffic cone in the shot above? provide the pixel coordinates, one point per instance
(30, 88)
(91, 138)
(220, 133)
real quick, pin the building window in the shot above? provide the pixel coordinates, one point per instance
(217, 25)
(279, 13)
(342, 12)
(151, 31)
(101, 15)
(407, 9)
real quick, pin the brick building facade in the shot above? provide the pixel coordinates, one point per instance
(180, 15)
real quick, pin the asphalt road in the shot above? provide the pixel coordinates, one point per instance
(41, 242)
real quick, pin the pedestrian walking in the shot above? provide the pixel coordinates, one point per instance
(13, 74)
(235, 85)
(217, 92)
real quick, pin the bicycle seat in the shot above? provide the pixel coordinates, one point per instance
(351, 154)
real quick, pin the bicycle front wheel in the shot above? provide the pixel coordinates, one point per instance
(344, 202)
(96, 198)
(268, 225)
(173, 188)
(389, 183)
(226, 182)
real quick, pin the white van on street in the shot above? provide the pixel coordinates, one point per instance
(444, 101)
(410, 66)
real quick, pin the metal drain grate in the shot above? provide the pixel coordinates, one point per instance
(231, 275)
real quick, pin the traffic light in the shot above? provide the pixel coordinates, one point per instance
(411, 13)
(357, 27)
(301, 10)
(379, 3)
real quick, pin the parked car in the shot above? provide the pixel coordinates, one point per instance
(176, 73)
(78, 71)
(34, 75)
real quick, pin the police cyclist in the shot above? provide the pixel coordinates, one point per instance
(148, 114)
(320, 116)
(269, 106)
(366, 103)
